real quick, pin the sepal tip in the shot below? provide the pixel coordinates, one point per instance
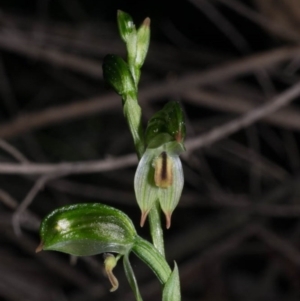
(143, 218)
(168, 219)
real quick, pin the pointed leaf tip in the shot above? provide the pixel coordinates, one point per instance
(171, 291)
(40, 247)
(143, 218)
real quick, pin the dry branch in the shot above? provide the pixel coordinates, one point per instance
(287, 118)
(212, 136)
(246, 119)
(35, 120)
(69, 168)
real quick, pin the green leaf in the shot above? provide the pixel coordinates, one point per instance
(154, 260)
(166, 125)
(116, 72)
(87, 229)
(131, 278)
(171, 290)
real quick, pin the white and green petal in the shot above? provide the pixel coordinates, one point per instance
(159, 176)
(145, 189)
(169, 196)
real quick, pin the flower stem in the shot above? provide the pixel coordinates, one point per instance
(156, 228)
(133, 115)
(124, 78)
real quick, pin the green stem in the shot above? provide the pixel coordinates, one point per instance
(156, 228)
(133, 115)
(152, 257)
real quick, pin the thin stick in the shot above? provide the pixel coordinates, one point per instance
(69, 168)
(38, 185)
(30, 121)
(29, 219)
(224, 25)
(17, 43)
(255, 17)
(245, 120)
(280, 244)
(13, 151)
(214, 135)
(288, 117)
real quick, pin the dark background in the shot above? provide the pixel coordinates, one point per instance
(236, 232)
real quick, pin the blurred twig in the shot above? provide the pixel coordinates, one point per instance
(275, 27)
(30, 121)
(246, 119)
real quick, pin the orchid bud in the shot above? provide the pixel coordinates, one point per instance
(142, 43)
(166, 125)
(126, 26)
(116, 72)
(128, 34)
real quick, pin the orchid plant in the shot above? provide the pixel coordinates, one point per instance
(90, 229)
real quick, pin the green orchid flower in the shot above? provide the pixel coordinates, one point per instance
(159, 174)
